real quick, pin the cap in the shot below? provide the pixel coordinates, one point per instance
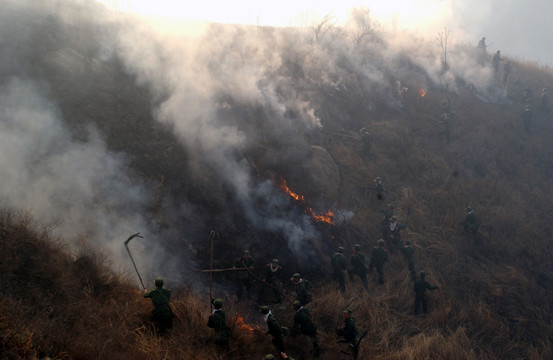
(264, 309)
(296, 304)
(407, 242)
(295, 276)
(340, 249)
(158, 282)
(246, 252)
(218, 303)
(357, 247)
(423, 273)
(381, 242)
(275, 261)
(347, 311)
(269, 357)
(393, 218)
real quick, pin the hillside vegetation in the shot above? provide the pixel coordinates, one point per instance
(196, 135)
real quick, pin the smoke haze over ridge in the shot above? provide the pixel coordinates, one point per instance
(200, 82)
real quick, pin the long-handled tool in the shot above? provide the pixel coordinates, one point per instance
(127, 247)
(211, 236)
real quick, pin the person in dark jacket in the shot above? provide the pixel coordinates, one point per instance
(303, 289)
(471, 223)
(408, 253)
(348, 331)
(392, 234)
(271, 278)
(218, 322)
(340, 266)
(359, 265)
(304, 325)
(243, 277)
(421, 285)
(162, 315)
(378, 259)
(274, 328)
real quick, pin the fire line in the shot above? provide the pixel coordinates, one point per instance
(326, 218)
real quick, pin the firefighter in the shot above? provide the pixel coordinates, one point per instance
(366, 143)
(303, 289)
(359, 265)
(218, 322)
(274, 328)
(243, 277)
(162, 315)
(392, 234)
(271, 277)
(421, 285)
(304, 325)
(408, 253)
(340, 267)
(348, 331)
(471, 224)
(378, 259)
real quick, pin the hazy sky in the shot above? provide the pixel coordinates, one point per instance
(517, 28)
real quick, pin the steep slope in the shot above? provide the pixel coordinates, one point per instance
(113, 125)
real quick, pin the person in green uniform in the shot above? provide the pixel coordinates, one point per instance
(340, 267)
(162, 315)
(378, 259)
(471, 223)
(303, 289)
(271, 277)
(348, 331)
(408, 253)
(392, 235)
(421, 285)
(304, 325)
(218, 322)
(359, 265)
(273, 328)
(243, 277)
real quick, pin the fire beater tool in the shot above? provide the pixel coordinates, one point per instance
(127, 247)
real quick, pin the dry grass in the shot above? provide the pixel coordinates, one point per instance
(494, 298)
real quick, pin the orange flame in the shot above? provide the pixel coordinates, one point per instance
(421, 91)
(242, 325)
(282, 184)
(326, 218)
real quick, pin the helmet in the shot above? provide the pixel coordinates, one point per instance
(423, 273)
(340, 249)
(264, 309)
(158, 282)
(274, 261)
(218, 303)
(357, 247)
(269, 357)
(381, 242)
(295, 276)
(296, 304)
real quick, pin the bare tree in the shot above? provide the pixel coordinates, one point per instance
(361, 20)
(442, 40)
(323, 26)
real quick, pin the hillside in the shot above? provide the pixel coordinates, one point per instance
(112, 125)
